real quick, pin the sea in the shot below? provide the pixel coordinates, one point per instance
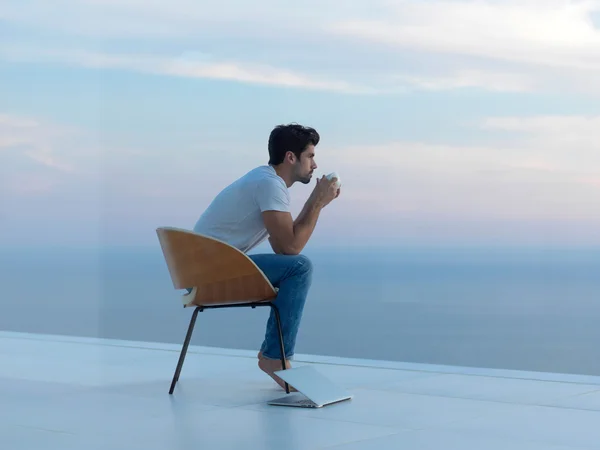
(506, 308)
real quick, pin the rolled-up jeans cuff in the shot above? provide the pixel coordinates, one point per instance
(290, 357)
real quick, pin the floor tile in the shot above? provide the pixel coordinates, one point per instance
(404, 411)
(589, 401)
(541, 424)
(490, 388)
(210, 391)
(444, 440)
(352, 377)
(22, 438)
(94, 411)
(222, 429)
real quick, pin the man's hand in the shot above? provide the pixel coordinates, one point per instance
(324, 192)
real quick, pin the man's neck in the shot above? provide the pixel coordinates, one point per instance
(286, 177)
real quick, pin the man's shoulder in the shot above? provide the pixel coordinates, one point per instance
(264, 176)
(270, 191)
(262, 171)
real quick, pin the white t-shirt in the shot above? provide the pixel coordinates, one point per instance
(235, 215)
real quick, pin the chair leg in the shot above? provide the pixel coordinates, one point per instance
(281, 346)
(186, 344)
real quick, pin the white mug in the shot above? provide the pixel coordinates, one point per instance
(335, 175)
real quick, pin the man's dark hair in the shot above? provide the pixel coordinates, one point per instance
(290, 138)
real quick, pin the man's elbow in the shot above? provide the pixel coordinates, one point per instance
(280, 248)
(288, 249)
(285, 250)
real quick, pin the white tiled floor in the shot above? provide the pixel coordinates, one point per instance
(64, 393)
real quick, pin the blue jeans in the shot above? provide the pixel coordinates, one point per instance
(292, 275)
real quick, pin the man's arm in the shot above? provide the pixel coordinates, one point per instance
(275, 247)
(287, 236)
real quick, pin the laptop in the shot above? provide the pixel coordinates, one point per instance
(314, 389)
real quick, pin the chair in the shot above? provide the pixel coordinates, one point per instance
(216, 275)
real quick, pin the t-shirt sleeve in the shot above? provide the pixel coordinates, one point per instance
(271, 195)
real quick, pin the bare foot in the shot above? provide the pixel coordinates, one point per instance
(288, 365)
(270, 366)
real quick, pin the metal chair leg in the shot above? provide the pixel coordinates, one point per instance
(186, 343)
(281, 346)
(188, 337)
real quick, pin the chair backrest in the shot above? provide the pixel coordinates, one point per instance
(218, 272)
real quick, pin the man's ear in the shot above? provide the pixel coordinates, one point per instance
(291, 157)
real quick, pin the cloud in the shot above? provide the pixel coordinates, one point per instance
(509, 45)
(181, 18)
(44, 159)
(471, 78)
(548, 171)
(183, 66)
(25, 184)
(76, 187)
(36, 140)
(368, 47)
(543, 182)
(560, 143)
(38, 156)
(545, 32)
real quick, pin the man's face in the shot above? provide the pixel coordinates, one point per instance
(305, 166)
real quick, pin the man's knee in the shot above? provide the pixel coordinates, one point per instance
(304, 264)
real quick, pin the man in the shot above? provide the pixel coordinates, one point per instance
(257, 206)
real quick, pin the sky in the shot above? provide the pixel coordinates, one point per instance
(450, 122)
